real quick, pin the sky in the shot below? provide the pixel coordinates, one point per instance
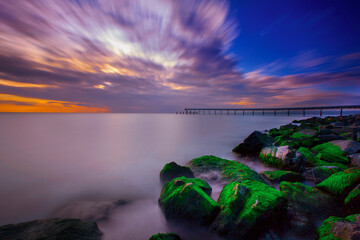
(165, 55)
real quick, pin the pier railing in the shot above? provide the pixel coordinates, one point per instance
(236, 111)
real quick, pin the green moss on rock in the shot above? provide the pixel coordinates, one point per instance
(184, 199)
(352, 201)
(313, 159)
(336, 228)
(331, 153)
(231, 171)
(172, 170)
(281, 175)
(341, 183)
(165, 236)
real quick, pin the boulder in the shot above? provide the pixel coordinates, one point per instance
(305, 205)
(253, 144)
(328, 138)
(185, 200)
(347, 146)
(331, 152)
(51, 229)
(284, 157)
(230, 171)
(319, 174)
(312, 159)
(172, 170)
(352, 201)
(335, 228)
(231, 200)
(340, 184)
(281, 175)
(165, 236)
(354, 159)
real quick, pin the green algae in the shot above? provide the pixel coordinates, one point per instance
(341, 183)
(331, 153)
(185, 199)
(281, 175)
(231, 171)
(172, 170)
(327, 230)
(322, 173)
(353, 199)
(270, 160)
(165, 236)
(315, 159)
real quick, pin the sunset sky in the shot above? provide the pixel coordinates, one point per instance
(165, 55)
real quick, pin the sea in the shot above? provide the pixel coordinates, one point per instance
(105, 167)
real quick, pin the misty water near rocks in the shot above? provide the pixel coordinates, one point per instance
(105, 167)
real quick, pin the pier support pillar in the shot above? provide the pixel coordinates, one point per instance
(304, 112)
(263, 113)
(320, 112)
(253, 112)
(243, 112)
(288, 112)
(227, 112)
(340, 112)
(274, 112)
(234, 112)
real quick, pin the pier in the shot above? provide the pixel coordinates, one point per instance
(274, 111)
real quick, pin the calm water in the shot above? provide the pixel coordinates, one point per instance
(75, 165)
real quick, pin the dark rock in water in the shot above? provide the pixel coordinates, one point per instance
(230, 171)
(231, 200)
(329, 138)
(354, 159)
(253, 144)
(51, 229)
(352, 201)
(172, 170)
(347, 146)
(305, 205)
(340, 184)
(319, 174)
(281, 175)
(284, 157)
(335, 228)
(165, 236)
(184, 199)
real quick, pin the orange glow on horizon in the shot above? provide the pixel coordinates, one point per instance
(14, 103)
(242, 102)
(24, 85)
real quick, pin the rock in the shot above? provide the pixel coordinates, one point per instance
(352, 201)
(51, 229)
(184, 199)
(253, 144)
(165, 236)
(329, 138)
(319, 174)
(305, 205)
(326, 132)
(288, 127)
(230, 171)
(172, 170)
(335, 228)
(354, 159)
(231, 200)
(331, 152)
(280, 175)
(340, 184)
(308, 132)
(263, 208)
(283, 157)
(315, 160)
(347, 146)
(300, 139)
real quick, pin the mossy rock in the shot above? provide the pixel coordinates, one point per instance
(352, 201)
(231, 200)
(231, 171)
(331, 153)
(314, 160)
(319, 174)
(340, 184)
(284, 157)
(253, 144)
(336, 228)
(299, 139)
(172, 170)
(281, 175)
(184, 199)
(51, 229)
(165, 236)
(305, 205)
(263, 208)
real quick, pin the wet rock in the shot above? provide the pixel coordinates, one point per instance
(305, 205)
(165, 236)
(51, 229)
(172, 170)
(281, 175)
(184, 199)
(347, 146)
(329, 138)
(340, 184)
(313, 159)
(319, 174)
(354, 159)
(230, 171)
(231, 200)
(331, 152)
(352, 201)
(335, 228)
(253, 144)
(284, 157)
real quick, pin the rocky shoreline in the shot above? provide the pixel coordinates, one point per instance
(324, 152)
